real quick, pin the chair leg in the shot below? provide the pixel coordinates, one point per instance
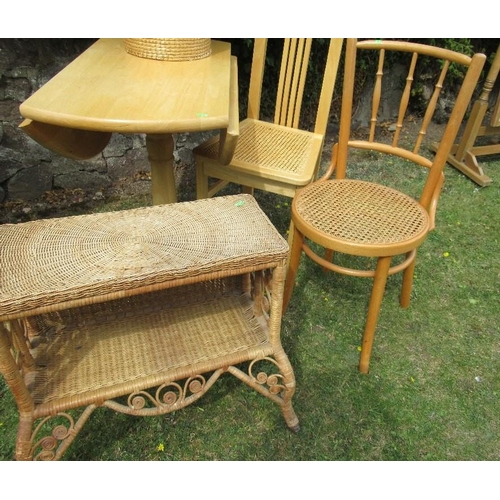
(293, 264)
(247, 190)
(404, 299)
(201, 182)
(329, 257)
(291, 233)
(379, 282)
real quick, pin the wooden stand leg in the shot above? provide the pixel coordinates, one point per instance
(161, 156)
(463, 155)
(469, 166)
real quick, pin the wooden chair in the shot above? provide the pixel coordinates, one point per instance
(276, 157)
(368, 219)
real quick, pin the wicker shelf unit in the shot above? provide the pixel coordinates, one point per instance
(140, 311)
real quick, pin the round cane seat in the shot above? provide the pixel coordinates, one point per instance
(360, 217)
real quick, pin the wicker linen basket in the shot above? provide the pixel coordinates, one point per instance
(169, 49)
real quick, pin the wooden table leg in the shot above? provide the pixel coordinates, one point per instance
(161, 157)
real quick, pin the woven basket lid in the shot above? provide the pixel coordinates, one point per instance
(169, 49)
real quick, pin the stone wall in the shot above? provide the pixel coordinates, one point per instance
(27, 170)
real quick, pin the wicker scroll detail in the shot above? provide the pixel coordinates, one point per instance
(169, 49)
(274, 381)
(53, 443)
(49, 444)
(168, 397)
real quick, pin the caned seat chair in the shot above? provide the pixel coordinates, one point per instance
(278, 156)
(370, 219)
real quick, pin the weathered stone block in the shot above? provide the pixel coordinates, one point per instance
(30, 183)
(81, 179)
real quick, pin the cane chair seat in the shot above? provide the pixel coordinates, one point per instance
(282, 153)
(362, 217)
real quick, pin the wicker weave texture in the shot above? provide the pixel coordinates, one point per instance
(56, 260)
(361, 212)
(169, 49)
(82, 351)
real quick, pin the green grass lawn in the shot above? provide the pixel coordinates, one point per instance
(434, 384)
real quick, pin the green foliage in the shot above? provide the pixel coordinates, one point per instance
(463, 45)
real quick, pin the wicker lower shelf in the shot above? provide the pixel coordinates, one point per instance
(103, 350)
(140, 311)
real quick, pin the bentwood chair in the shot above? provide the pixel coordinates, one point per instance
(370, 219)
(277, 156)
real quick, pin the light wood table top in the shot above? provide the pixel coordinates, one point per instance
(107, 90)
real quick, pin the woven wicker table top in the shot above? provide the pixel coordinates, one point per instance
(51, 264)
